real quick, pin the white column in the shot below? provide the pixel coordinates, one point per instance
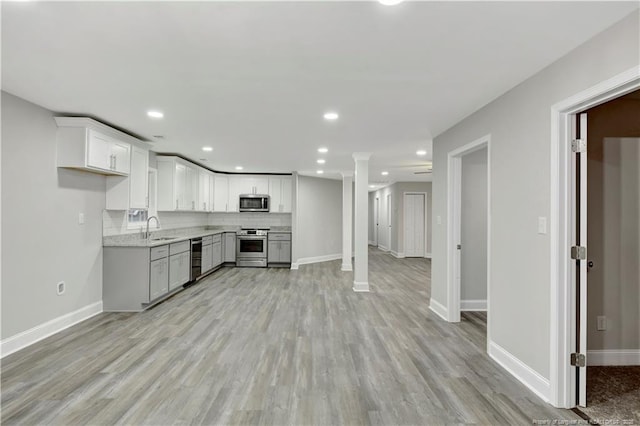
(361, 222)
(347, 220)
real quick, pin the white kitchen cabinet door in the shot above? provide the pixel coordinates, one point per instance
(204, 194)
(139, 179)
(158, 278)
(211, 192)
(180, 187)
(179, 266)
(221, 193)
(191, 195)
(275, 194)
(273, 252)
(99, 151)
(121, 154)
(217, 253)
(285, 251)
(237, 186)
(207, 258)
(257, 185)
(287, 190)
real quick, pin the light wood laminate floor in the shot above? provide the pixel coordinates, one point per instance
(273, 346)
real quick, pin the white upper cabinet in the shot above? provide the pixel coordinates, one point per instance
(205, 191)
(173, 187)
(86, 144)
(130, 192)
(280, 189)
(221, 193)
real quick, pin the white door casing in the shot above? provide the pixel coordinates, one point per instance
(389, 221)
(454, 205)
(563, 392)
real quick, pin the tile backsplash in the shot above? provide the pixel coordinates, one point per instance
(114, 222)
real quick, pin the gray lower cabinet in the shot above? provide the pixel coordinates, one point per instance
(136, 277)
(229, 247)
(158, 278)
(217, 250)
(207, 258)
(279, 248)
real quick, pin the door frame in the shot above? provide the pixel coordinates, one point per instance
(404, 221)
(388, 197)
(376, 219)
(562, 320)
(454, 219)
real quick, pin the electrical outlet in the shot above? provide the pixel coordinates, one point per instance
(542, 225)
(602, 323)
(439, 220)
(80, 218)
(60, 287)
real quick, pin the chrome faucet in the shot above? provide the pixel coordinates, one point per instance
(146, 234)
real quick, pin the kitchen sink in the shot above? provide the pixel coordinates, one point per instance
(164, 238)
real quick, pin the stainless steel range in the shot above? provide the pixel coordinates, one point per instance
(251, 247)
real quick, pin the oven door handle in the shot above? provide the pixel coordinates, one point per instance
(251, 238)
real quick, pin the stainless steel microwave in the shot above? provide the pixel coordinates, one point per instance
(254, 203)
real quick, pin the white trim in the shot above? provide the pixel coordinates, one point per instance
(346, 267)
(438, 309)
(371, 243)
(473, 305)
(454, 189)
(29, 337)
(427, 255)
(318, 259)
(614, 357)
(383, 248)
(361, 287)
(521, 371)
(562, 376)
(294, 266)
(396, 254)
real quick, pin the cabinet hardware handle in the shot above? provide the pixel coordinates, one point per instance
(115, 163)
(176, 204)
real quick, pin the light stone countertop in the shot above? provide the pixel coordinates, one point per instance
(178, 235)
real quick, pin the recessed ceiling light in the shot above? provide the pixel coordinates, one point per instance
(421, 152)
(331, 115)
(384, 173)
(372, 186)
(155, 114)
(321, 161)
(323, 150)
(203, 159)
(319, 172)
(238, 167)
(207, 148)
(390, 2)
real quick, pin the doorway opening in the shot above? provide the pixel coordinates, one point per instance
(376, 220)
(468, 227)
(571, 315)
(609, 326)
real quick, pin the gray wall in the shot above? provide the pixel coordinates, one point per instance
(473, 224)
(41, 238)
(319, 217)
(520, 126)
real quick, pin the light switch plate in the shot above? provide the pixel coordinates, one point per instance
(439, 220)
(602, 323)
(80, 218)
(542, 225)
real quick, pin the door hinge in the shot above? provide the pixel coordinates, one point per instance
(579, 253)
(578, 360)
(578, 145)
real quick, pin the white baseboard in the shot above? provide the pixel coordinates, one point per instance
(318, 259)
(439, 309)
(383, 248)
(29, 337)
(614, 357)
(427, 255)
(372, 243)
(521, 371)
(396, 254)
(361, 287)
(473, 305)
(294, 266)
(346, 267)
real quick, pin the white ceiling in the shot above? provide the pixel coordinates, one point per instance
(252, 79)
